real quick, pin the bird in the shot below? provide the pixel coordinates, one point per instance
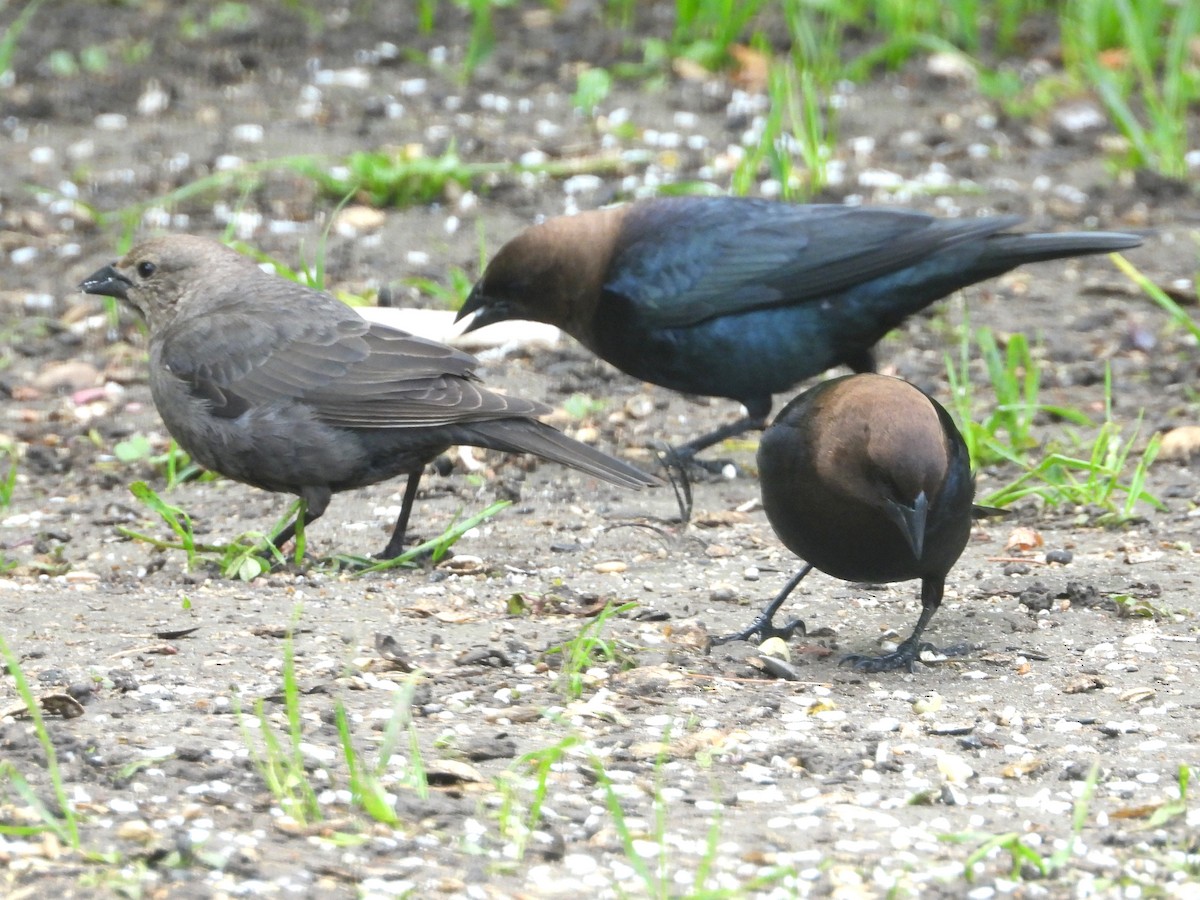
(867, 479)
(288, 389)
(742, 297)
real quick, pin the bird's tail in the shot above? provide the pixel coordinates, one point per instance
(1006, 251)
(519, 435)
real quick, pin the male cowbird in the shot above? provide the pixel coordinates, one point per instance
(867, 479)
(287, 389)
(745, 298)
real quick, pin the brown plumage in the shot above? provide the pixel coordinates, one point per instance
(285, 388)
(745, 298)
(867, 479)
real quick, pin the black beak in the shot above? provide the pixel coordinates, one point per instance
(911, 521)
(487, 312)
(107, 282)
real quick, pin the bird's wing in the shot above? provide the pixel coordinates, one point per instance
(682, 263)
(350, 372)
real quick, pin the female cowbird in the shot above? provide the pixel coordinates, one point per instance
(745, 298)
(287, 389)
(866, 478)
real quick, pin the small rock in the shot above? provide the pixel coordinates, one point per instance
(1076, 118)
(66, 377)
(500, 746)
(355, 220)
(1023, 539)
(951, 66)
(776, 647)
(1036, 597)
(952, 796)
(639, 406)
(1179, 444)
(722, 593)
(927, 703)
(886, 725)
(780, 668)
(954, 768)
(136, 830)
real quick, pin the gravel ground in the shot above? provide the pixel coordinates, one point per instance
(679, 770)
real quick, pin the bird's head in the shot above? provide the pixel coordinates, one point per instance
(160, 275)
(553, 273)
(883, 445)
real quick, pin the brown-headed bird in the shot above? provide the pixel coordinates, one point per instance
(287, 389)
(867, 479)
(744, 298)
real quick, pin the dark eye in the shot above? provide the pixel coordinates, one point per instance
(146, 269)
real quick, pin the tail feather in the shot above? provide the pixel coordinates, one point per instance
(1011, 250)
(518, 435)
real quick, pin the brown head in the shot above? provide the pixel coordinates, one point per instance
(882, 443)
(553, 272)
(160, 276)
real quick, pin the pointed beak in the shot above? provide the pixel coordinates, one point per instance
(911, 521)
(107, 282)
(486, 310)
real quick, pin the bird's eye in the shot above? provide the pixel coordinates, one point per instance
(146, 269)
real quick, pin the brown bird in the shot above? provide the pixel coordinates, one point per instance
(745, 298)
(866, 478)
(287, 389)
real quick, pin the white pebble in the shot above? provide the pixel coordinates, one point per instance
(110, 122)
(248, 133)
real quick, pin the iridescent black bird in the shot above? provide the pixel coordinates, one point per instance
(867, 479)
(287, 389)
(745, 298)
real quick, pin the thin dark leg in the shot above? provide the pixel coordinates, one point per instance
(909, 652)
(762, 626)
(290, 531)
(687, 452)
(677, 477)
(395, 546)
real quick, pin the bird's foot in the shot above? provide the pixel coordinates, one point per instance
(906, 656)
(761, 629)
(685, 460)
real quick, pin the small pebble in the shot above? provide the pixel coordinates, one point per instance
(776, 647)
(722, 593)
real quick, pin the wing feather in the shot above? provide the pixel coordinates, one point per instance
(686, 260)
(352, 372)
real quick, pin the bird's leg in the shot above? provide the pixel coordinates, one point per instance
(284, 536)
(686, 454)
(682, 486)
(310, 510)
(762, 626)
(909, 652)
(395, 545)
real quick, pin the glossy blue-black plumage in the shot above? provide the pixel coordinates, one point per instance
(744, 298)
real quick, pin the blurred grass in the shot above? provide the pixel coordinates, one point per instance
(1140, 59)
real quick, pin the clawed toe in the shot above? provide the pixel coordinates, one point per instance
(761, 631)
(906, 656)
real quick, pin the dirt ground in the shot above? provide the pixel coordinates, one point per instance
(832, 784)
